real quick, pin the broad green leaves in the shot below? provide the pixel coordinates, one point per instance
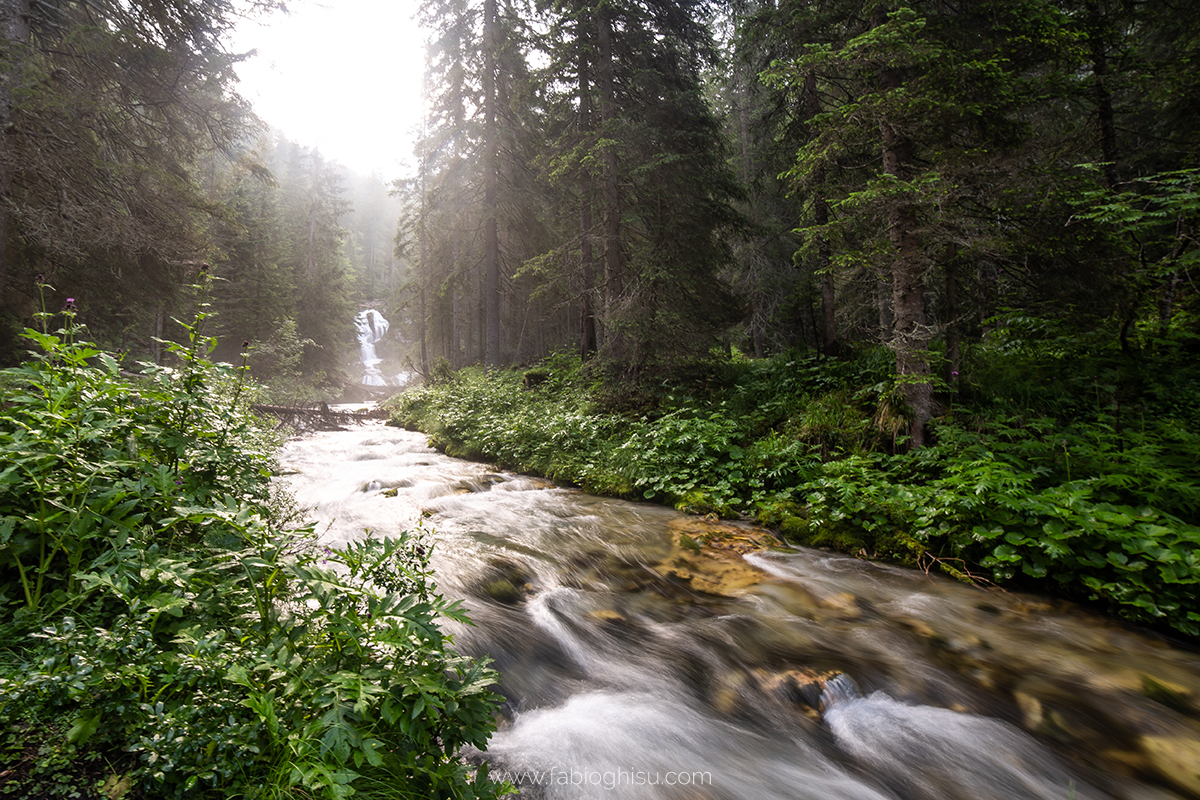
(159, 618)
(1085, 505)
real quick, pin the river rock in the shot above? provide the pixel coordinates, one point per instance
(791, 597)
(480, 483)
(722, 539)
(800, 688)
(707, 555)
(1176, 758)
(1040, 718)
(727, 692)
(1173, 695)
(842, 604)
(607, 615)
(505, 582)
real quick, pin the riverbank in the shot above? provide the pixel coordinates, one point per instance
(168, 626)
(631, 639)
(1029, 482)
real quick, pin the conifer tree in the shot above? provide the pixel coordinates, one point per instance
(105, 108)
(645, 153)
(937, 94)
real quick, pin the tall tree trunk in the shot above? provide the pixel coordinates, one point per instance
(423, 271)
(829, 338)
(613, 277)
(953, 333)
(480, 284)
(910, 340)
(460, 318)
(1166, 303)
(883, 302)
(314, 201)
(490, 177)
(1100, 93)
(587, 311)
(588, 343)
(371, 257)
(159, 314)
(14, 38)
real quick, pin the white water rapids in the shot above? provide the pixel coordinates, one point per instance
(827, 678)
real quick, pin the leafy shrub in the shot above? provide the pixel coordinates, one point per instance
(257, 670)
(165, 634)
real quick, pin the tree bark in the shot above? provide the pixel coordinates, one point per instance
(1105, 119)
(829, 338)
(883, 303)
(314, 201)
(461, 314)
(14, 38)
(424, 270)
(953, 333)
(613, 277)
(910, 339)
(587, 312)
(490, 169)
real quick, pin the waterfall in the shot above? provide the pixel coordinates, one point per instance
(371, 327)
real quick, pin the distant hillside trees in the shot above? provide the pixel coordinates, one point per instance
(106, 108)
(128, 161)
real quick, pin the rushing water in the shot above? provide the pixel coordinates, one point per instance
(635, 667)
(370, 327)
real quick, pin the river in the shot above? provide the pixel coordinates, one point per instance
(646, 654)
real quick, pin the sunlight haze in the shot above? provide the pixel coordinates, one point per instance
(344, 78)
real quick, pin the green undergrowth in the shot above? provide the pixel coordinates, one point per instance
(1065, 469)
(167, 634)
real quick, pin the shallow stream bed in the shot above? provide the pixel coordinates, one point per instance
(646, 654)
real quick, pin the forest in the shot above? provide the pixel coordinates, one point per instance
(644, 183)
(129, 161)
(987, 210)
(913, 281)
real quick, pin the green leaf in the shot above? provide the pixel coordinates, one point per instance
(84, 726)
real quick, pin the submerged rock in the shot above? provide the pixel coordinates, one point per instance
(1176, 758)
(505, 582)
(707, 556)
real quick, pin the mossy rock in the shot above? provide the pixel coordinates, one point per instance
(702, 503)
(503, 591)
(505, 582)
(535, 377)
(793, 528)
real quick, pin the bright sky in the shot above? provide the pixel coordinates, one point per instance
(340, 75)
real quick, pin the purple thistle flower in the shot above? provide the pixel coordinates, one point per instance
(70, 306)
(40, 278)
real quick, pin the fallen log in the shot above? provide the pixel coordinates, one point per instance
(316, 416)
